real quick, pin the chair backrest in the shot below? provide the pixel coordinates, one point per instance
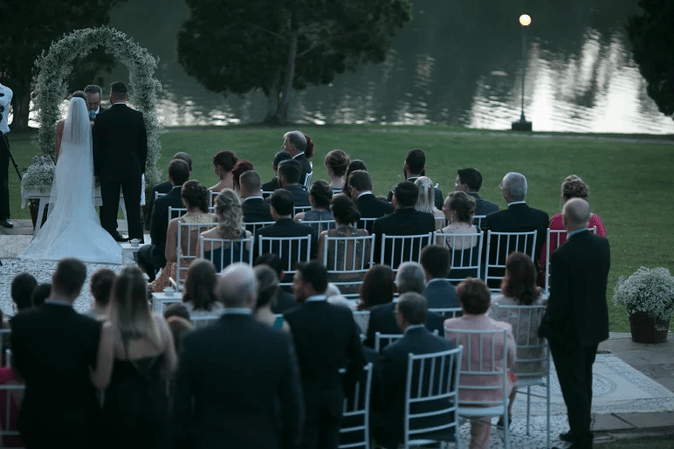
(554, 239)
(447, 312)
(254, 226)
(499, 247)
(307, 180)
(396, 249)
(383, 340)
(11, 397)
(223, 252)
(484, 365)
(188, 247)
(199, 320)
(298, 209)
(175, 212)
(465, 252)
(211, 198)
(158, 194)
(431, 396)
(289, 249)
(440, 222)
(347, 259)
(160, 301)
(477, 220)
(320, 225)
(355, 429)
(366, 223)
(362, 319)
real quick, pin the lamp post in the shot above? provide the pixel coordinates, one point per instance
(522, 124)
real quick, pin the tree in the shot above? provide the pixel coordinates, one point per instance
(29, 27)
(236, 46)
(652, 38)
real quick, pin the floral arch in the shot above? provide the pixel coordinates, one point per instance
(56, 64)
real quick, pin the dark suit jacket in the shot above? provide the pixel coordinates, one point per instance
(438, 199)
(306, 168)
(284, 302)
(482, 206)
(326, 338)
(300, 194)
(286, 227)
(440, 294)
(370, 206)
(242, 376)
(120, 144)
(159, 223)
(389, 381)
(407, 221)
(270, 186)
(53, 348)
(383, 320)
(577, 313)
(256, 210)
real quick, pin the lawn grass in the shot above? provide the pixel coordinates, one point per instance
(631, 181)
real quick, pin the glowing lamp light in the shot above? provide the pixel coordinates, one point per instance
(525, 20)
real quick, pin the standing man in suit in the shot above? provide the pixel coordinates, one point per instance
(413, 168)
(54, 348)
(5, 100)
(120, 154)
(295, 143)
(327, 341)
(94, 95)
(368, 205)
(238, 383)
(255, 208)
(469, 180)
(439, 292)
(576, 319)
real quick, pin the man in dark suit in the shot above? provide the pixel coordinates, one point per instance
(120, 153)
(238, 382)
(406, 220)
(327, 341)
(255, 209)
(94, 95)
(295, 143)
(284, 299)
(469, 180)
(368, 205)
(152, 257)
(390, 375)
(576, 319)
(439, 292)
(288, 176)
(409, 279)
(273, 184)
(164, 187)
(53, 349)
(413, 168)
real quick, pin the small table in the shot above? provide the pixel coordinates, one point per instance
(129, 251)
(162, 298)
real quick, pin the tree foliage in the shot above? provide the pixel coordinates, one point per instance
(236, 46)
(652, 38)
(29, 27)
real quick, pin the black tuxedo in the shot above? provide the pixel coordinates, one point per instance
(383, 320)
(388, 388)
(482, 206)
(405, 221)
(255, 210)
(306, 167)
(286, 227)
(270, 186)
(439, 200)
(326, 338)
(53, 348)
(370, 206)
(284, 302)
(576, 321)
(300, 194)
(120, 154)
(242, 376)
(440, 294)
(164, 188)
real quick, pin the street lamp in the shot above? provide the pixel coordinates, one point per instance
(522, 124)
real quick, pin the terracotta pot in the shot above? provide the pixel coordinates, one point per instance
(648, 329)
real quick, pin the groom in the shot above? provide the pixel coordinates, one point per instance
(120, 153)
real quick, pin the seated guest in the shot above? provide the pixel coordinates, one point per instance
(256, 404)
(288, 175)
(255, 208)
(390, 375)
(284, 299)
(439, 292)
(240, 168)
(267, 290)
(229, 216)
(360, 185)
(40, 294)
(199, 290)
(404, 221)
(223, 163)
(474, 297)
(415, 167)
(377, 288)
(273, 184)
(459, 211)
(164, 187)
(301, 148)
(354, 165)
(426, 200)
(319, 198)
(178, 320)
(101, 286)
(22, 288)
(336, 163)
(194, 199)
(469, 180)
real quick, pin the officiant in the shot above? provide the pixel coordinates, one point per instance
(5, 100)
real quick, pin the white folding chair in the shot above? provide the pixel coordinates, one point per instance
(431, 389)
(347, 259)
(307, 180)
(158, 195)
(254, 226)
(355, 428)
(440, 222)
(554, 239)
(320, 225)
(383, 340)
(211, 198)
(465, 252)
(188, 247)
(447, 312)
(161, 299)
(175, 212)
(396, 249)
(223, 252)
(289, 249)
(298, 209)
(477, 220)
(13, 397)
(499, 247)
(203, 320)
(480, 371)
(366, 223)
(362, 319)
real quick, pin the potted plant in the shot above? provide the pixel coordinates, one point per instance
(38, 177)
(648, 296)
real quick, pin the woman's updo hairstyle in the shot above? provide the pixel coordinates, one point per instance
(267, 285)
(309, 150)
(225, 159)
(321, 193)
(229, 214)
(344, 209)
(338, 161)
(195, 195)
(574, 187)
(463, 204)
(240, 168)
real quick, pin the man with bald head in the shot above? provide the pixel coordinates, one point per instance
(576, 319)
(241, 374)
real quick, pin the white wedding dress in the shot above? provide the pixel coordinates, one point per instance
(73, 228)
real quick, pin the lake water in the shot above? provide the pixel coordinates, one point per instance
(458, 63)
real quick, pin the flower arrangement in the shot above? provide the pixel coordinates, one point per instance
(40, 175)
(648, 290)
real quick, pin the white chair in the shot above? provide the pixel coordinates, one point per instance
(307, 180)
(554, 239)
(440, 222)
(477, 220)
(366, 223)
(298, 209)
(162, 299)
(13, 397)
(203, 320)
(320, 225)
(396, 249)
(499, 247)
(4, 340)
(211, 198)
(347, 259)
(447, 312)
(355, 428)
(362, 319)
(158, 195)
(254, 226)
(480, 371)
(289, 249)
(230, 251)
(188, 247)
(465, 252)
(383, 340)
(431, 394)
(175, 212)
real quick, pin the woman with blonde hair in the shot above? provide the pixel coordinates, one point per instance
(426, 200)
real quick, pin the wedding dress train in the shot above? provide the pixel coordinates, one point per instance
(73, 228)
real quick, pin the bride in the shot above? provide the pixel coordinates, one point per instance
(73, 228)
